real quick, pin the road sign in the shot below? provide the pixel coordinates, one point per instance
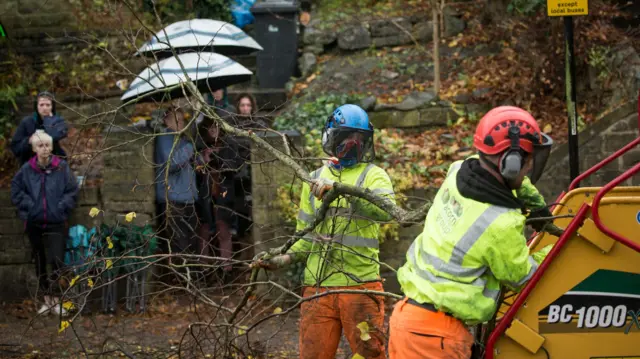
(567, 7)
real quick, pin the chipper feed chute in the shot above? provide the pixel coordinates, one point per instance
(584, 300)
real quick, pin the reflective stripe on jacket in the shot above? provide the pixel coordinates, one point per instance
(466, 250)
(344, 248)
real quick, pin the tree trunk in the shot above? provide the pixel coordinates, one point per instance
(436, 49)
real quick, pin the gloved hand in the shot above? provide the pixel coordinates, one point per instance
(320, 186)
(276, 262)
(540, 213)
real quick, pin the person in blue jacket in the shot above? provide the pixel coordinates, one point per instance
(44, 118)
(45, 192)
(176, 190)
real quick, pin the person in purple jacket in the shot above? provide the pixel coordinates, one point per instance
(45, 192)
(43, 118)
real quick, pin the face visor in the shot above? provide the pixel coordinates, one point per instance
(349, 145)
(541, 153)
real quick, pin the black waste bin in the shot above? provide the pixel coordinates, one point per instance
(276, 31)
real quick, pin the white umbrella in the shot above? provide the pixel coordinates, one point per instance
(210, 71)
(200, 35)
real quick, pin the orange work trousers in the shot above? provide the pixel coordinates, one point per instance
(417, 332)
(323, 318)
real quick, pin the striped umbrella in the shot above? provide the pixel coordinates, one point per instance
(200, 35)
(209, 71)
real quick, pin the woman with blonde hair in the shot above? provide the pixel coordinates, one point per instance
(45, 192)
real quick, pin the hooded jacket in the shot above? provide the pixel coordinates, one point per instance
(52, 125)
(44, 195)
(181, 186)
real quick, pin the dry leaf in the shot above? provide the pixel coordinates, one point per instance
(305, 17)
(94, 212)
(63, 325)
(130, 216)
(364, 331)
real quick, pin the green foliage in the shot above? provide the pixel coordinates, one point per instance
(598, 58)
(171, 11)
(525, 7)
(8, 107)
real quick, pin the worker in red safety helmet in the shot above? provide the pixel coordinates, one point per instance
(473, 240)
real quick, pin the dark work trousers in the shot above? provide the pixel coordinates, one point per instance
(48, 246)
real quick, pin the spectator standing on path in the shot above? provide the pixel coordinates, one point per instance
(342, 252)
(45, 192)
(176, 186)
(218, 163)
(220, 100)
(44, 118)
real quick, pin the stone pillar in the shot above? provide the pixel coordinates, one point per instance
(128, 175)
(269, 229)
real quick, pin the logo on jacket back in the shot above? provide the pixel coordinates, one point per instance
(450, 213)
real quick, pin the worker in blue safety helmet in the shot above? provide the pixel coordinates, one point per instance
(342, 251)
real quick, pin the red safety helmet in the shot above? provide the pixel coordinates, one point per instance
(509, 131)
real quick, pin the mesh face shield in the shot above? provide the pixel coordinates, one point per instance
(540, 156)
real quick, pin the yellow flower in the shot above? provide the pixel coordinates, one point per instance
(90, 283)
(73, 281)
(68, 305)
(242, 330)
(130, 216)
(94, 212)
(109, 243)
(277, 310)
(63, 325)
(357, 356)
(108, 263)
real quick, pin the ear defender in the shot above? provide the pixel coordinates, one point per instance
(511, 161)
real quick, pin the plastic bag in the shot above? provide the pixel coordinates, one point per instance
(240, 12)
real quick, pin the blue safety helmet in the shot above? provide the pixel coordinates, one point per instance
(348, 136)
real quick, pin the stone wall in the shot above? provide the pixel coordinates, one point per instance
(601, 139)
(318, 37)
(127, 186)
